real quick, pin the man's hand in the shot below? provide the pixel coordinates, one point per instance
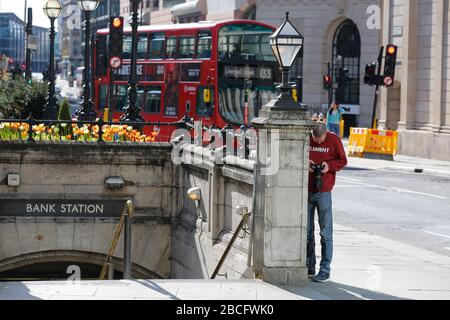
(326, 168)
(310, 164)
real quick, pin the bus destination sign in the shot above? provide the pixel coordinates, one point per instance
(247, 72)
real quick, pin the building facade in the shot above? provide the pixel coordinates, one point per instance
(12, 42)
(105, 9)
(12, 37)
(69, 31)
(419, 104)
(41, 57)
(145, 9)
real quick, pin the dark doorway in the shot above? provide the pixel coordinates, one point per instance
(56, 270)
(346, 63)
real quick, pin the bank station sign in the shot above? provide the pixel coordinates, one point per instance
(61, 208)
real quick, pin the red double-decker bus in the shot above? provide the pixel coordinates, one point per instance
(217, 72)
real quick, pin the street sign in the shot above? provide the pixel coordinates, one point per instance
(115, 62)
(32, 42)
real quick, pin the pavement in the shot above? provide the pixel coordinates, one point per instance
(366, 266)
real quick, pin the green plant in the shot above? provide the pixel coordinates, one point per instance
(64, 110)
(18, 98)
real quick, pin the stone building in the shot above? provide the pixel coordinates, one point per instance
(331, 28)
(419, 104)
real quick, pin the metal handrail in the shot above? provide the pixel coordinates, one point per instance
(127, 211)
(245, 216)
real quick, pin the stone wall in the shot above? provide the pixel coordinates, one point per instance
(202, 230)
(78, 171)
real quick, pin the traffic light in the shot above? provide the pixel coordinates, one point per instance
(327, 82)
(115, 37)
(369, 76)
(389, 65)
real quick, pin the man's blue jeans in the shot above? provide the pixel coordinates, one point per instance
(323, 203)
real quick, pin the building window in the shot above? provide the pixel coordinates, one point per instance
(346, 63)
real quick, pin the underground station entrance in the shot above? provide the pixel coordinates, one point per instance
(56, 270)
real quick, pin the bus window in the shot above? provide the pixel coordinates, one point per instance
(204, 45)
(121, 97)
(245, 42)
(171, 48)
(126, 46)
(153, 99)
(142, 46)
(103, 96)
(205, 108)
(140, 96)
(187, 47)
(157, 45)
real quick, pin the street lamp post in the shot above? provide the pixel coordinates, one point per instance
(52, 10)
(286, 44)
(86, 111)
(132, 110)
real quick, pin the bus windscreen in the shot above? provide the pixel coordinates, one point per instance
(247, 71)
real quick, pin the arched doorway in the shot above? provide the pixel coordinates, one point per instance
(54, 265)
(346, 63)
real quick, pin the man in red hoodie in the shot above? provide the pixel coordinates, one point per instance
(326, 151)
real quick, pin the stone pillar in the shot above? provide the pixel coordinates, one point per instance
(437, 52)
(280, 214)
(385, 39)
(409, 66)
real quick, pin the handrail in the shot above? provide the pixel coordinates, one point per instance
(127, 210)
(245, 216)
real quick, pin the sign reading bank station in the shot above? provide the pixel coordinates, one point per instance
(61, 208)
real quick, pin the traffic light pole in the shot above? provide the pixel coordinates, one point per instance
(28, 51)
(330, 89)
(111, 90)
(377, 90)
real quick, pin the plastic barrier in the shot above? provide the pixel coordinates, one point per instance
(357, 142)
(370, 143)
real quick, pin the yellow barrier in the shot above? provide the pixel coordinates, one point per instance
(369, 142)
(357, 142)
(341, 127)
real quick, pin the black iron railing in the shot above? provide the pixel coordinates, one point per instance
(233, 142)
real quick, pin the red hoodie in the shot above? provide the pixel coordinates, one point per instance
(332, 152)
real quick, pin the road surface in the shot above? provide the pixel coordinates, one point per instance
(407, 207)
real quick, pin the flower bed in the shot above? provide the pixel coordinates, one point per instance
(16, 131)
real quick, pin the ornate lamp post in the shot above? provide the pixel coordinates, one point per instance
(86, 111)
(286, 44)
(132, 110)
(52, 10)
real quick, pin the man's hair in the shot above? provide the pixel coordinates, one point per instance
(319, 130)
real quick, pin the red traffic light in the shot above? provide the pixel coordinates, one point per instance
(391, 49)
(24, 66)
(117, 22)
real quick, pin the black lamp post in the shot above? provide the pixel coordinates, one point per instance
(52, 10)
(86, 111)
(286, 44)
(132, 110)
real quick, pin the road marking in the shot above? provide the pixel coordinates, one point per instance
(439, 235)
(401, 190)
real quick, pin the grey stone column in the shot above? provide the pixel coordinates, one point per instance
(409, 66)
(280, 214)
